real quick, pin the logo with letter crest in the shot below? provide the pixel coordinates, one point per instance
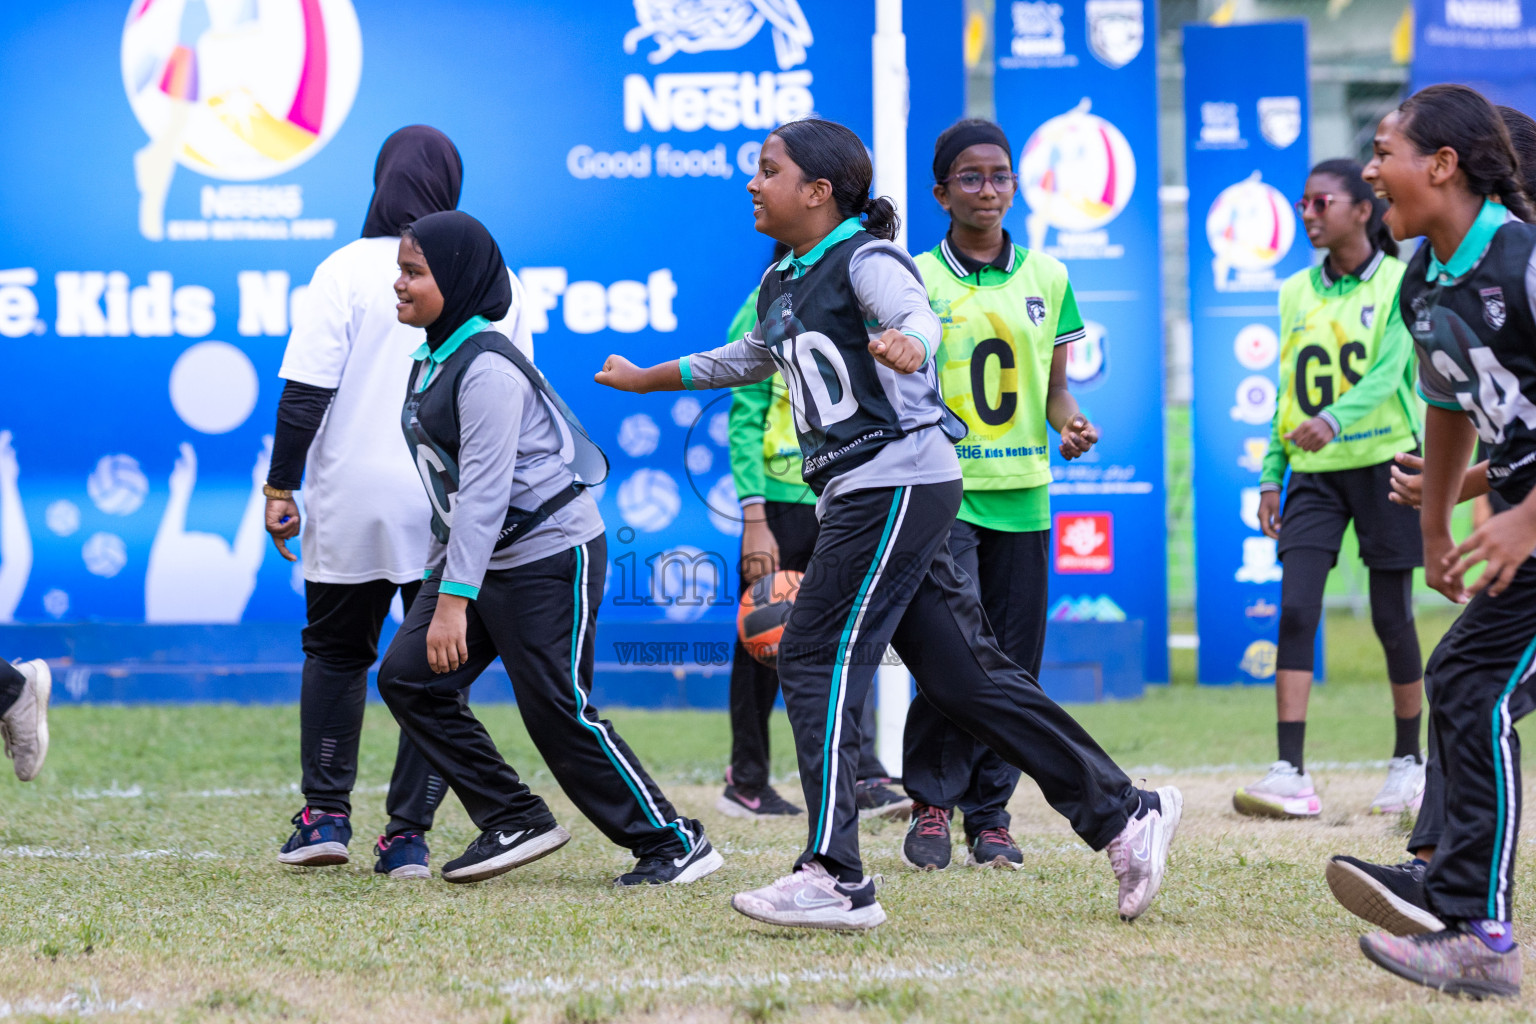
(1280, 120)
(1422, 323)
(1367, 316)
(1116, 29)
(1259, 659)
(1035, 307)
(1494, 311)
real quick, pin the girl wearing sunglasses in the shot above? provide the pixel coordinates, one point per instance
(1346, 409)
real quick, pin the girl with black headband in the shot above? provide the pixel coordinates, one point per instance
(845, 318)
(515, 569)
(1008, 314)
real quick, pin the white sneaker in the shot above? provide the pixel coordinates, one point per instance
(1404, 788)
(812, 898)
(24, 727)
(1139, 853)
(1283, 793)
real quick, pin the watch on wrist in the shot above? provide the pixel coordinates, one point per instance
(275, 492)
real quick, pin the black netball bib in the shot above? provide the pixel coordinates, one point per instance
(1479, 334)
(430, 420)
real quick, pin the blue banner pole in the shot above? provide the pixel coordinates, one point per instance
(1246, 145)
(1077, 93)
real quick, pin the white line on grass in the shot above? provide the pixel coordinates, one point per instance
(86, 853)
(551, 986)
(80, 1004)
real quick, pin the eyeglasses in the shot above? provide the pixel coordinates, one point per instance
(1318, 203)
(971, 181)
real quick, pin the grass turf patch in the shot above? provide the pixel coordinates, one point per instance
(138, 882)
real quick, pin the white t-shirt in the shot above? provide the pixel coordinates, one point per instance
(366, 516)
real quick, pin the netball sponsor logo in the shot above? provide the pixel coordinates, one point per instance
(238, 91)
(1077, 173)
(1255, 400)
(1280, 120)
(1116, 29)
(1039, 36)
(688, 26)
(1085, 542)
(1256, 347)
(1259, 659)
(1088, 357)
(1250, 228)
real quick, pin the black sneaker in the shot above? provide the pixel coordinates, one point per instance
(1390, 896)
(993, 848)
(663, 869)
(319, 839)
(875, 799)
(497, 852)
(765, 803)
(926, 846)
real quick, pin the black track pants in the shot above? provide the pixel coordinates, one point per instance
(943, 765)
(1479, 681)
(341, 643)
(540, 619)
(754, 685)
(11, 684)
(882, 574)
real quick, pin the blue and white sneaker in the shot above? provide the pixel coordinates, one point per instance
(402, 856)
(318, 839)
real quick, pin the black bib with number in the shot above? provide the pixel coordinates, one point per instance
(818, 336)
(1478, 333)
(430, 420)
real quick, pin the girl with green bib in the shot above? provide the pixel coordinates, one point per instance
(1346, 409)
(1008, 315)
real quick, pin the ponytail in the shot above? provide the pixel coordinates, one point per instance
(880, 217)
(1462, 119)
(1348, 172)
(826, 149)
(1522, 138)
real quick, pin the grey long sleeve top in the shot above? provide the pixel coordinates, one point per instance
(509, 455)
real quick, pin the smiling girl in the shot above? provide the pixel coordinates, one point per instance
(1346, 409)
(515, 569)
(1008, 315)
(845, 317)
(1445, 163)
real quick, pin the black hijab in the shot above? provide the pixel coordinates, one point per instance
(418, 172)
(468, 268)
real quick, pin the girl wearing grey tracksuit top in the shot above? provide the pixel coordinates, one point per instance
(845, 317)
(515, 568)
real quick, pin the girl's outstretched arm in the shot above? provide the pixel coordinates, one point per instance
(623, 375)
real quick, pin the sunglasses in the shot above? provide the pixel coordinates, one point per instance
(971, 181)
(1317, 204)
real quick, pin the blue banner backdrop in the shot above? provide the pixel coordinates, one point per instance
(182, 167)
(1487, 44)
(1077, 93)
(1246, 145)
(935, 31)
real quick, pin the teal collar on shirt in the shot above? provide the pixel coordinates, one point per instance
(1478, 238)
(844, 231)
(424, 353)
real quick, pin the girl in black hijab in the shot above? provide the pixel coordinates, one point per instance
(515, 569)
(364, 513)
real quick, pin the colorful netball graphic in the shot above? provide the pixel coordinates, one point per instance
(235, 89)
(1250, 228)
(1077, 173)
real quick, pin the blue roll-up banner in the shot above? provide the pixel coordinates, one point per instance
(935, 31)
(180, 167)
(1487, 44)
(1246, 146)
(1077, 94)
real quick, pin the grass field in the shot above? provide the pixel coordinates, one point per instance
(137, 882)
